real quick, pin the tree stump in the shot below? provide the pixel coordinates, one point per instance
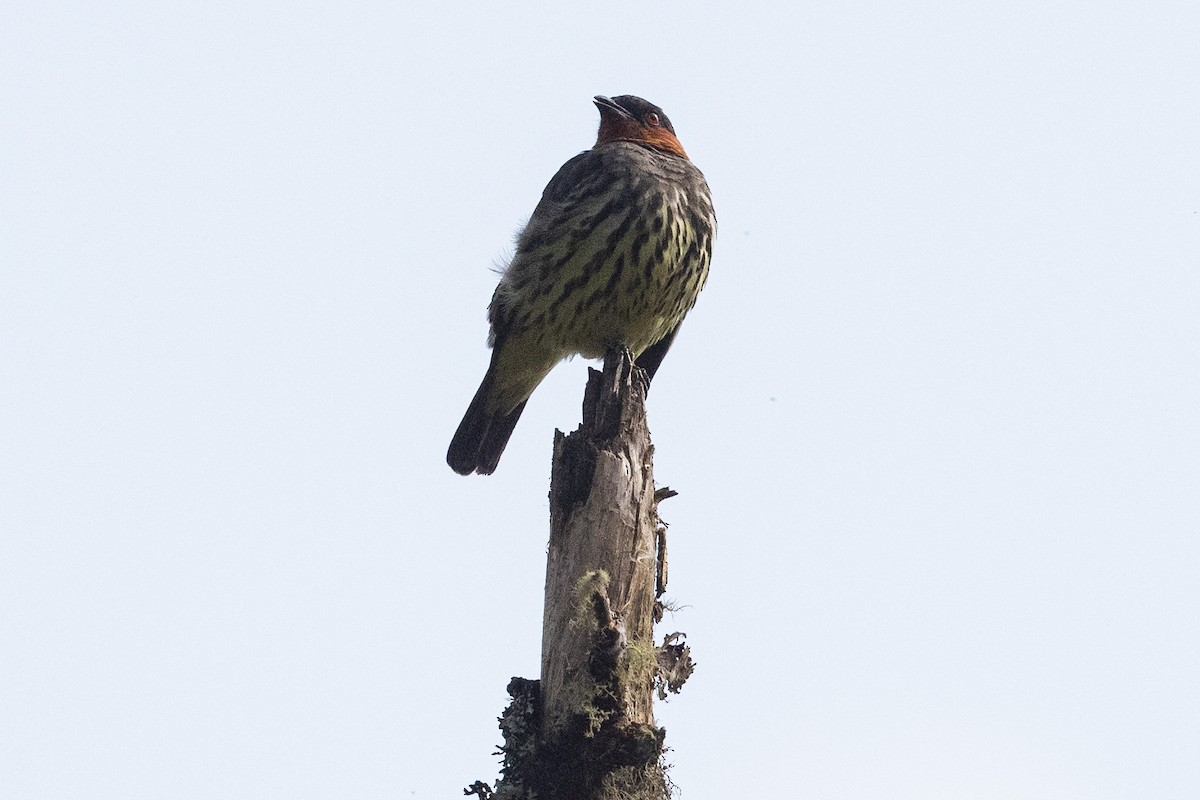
(586, 730)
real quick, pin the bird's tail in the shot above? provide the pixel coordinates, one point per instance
(484, 430)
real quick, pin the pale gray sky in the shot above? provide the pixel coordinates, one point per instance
(934, 420)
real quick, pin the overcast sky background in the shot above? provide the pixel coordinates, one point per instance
(934, 421)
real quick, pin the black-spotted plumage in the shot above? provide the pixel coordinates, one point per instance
(615, 253)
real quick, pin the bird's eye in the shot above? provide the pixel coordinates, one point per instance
(652, 120)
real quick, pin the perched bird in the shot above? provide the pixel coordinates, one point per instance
(615, 254)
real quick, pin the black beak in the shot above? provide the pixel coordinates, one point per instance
(608, 104)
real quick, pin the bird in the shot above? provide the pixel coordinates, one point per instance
(614, 255)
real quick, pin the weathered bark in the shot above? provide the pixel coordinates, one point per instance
(600, 570)
(586, 731)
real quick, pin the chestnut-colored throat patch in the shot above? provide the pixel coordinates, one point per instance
(623, 129)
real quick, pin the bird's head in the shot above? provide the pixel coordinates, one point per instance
(632, 119)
